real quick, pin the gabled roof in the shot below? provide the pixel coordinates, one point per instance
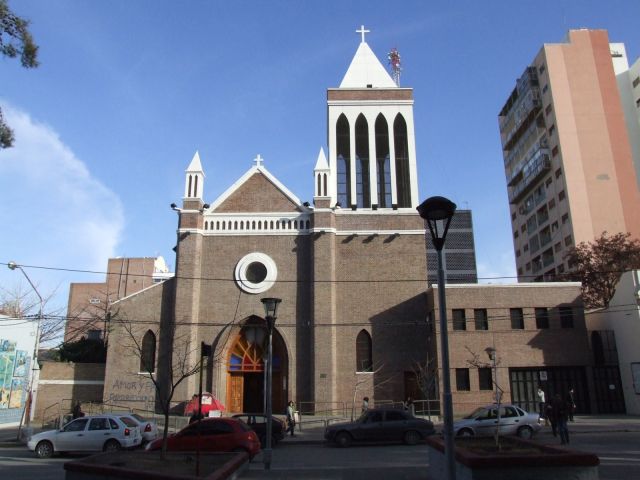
(244, 197)
(366, 69)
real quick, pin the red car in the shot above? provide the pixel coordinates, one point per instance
(216, 435)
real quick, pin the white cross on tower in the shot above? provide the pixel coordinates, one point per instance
(258, 161)
(362, 31)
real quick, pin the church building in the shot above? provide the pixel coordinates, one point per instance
(351, 271)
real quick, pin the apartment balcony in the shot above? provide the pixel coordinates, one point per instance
(530, 173)
(523, 117)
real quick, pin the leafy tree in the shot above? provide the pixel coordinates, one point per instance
(85, 350)
(15, 40)
(599, 265)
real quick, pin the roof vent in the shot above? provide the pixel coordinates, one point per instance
(369, 85)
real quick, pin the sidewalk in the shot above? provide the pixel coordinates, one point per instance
(311, 431)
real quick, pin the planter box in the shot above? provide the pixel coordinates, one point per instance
(141, 465)
(517, 460)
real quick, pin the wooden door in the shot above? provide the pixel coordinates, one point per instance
(235, 392)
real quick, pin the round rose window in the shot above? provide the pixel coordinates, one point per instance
(256, 273)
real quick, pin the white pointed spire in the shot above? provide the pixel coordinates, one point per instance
(195, 165)
(194, 178)
(321, 163)
(366, 69)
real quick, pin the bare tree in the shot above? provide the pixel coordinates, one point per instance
(18, 302)
(175, 364)
(426, 377)
(360, 380)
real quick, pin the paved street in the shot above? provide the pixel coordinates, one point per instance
(615, 440)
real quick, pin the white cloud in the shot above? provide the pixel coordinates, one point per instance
(501, 269)
(53, 211)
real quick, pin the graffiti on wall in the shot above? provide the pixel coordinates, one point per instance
(132, 390)
(13, 369)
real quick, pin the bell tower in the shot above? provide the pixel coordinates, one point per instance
(372, 153)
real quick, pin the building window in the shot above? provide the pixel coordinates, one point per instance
(638, 103)
(554, 226)
(459, 319)
(363, 352)
(484, 379)
(513, 216)
(558, 173)
(526, 247)
(561, 196)
(523, 228)
(343, 161)
(552, 204)
(547, 110)
(565, 218)
(636, 82)
(480, 317)
(545, 88)
(552, 129)
(557, 247)
(462, 379)
(547, 182)
(554, 151)
(515, 234)
(567, 240)
(541, 69)
(528, 266)
(148, 357)
(519, 270)
(566, 317)
(363, 189)
(518, 253)
(542, 318)
(383, 162)
(561, 268)
(517, 318)
(403, 185)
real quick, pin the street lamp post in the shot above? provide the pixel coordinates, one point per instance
(27, 417)
(438, 212)
(270, 310)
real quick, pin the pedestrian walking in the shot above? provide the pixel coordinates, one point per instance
(571, 400)
(409, 407)
(552, 419)
(560, 412)
(365, 404)
(541, 402)
(291, 417)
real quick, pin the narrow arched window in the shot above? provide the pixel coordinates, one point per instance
(195, 187)
(148, 354)
(206, 225)
(324, 182)
(382, 162)
(363, 190)
(401, 143)
(363, 352)
(319, 186)
(189, 190)
(344, 163)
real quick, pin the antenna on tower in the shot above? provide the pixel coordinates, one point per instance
(396, 68)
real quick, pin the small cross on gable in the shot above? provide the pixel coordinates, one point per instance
(258, 161)
(362, 31)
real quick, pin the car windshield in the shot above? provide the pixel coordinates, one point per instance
(138, 417)
(475, 413)
(128, 422)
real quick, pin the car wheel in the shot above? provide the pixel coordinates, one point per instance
(465, 432)
(111, 446)
(525, 432)
(411, 437)
(44, 449)
(343, 439)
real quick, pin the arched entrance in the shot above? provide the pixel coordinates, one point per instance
(246, 369)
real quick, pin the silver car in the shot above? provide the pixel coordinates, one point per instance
(148, 428)
(88, 434)
(484, 420)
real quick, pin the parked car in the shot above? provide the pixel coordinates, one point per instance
(148, 428)
(107, 432)
(380, 425)
(214, 435)
(513, 421)
(258, 423)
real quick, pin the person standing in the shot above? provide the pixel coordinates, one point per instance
(409, 407)
(571, 400)
(365, 404)
(560, 412)
(541, 402)
(77, 411)
(291, 419)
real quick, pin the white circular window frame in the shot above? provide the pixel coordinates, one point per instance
(240, 273)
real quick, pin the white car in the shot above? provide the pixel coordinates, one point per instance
(148, 428)
(484, 420)
(88, 434)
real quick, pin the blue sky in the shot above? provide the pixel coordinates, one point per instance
(128, 91)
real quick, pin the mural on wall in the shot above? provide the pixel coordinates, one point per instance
(13, 370)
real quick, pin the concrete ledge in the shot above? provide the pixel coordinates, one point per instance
(539, 463)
